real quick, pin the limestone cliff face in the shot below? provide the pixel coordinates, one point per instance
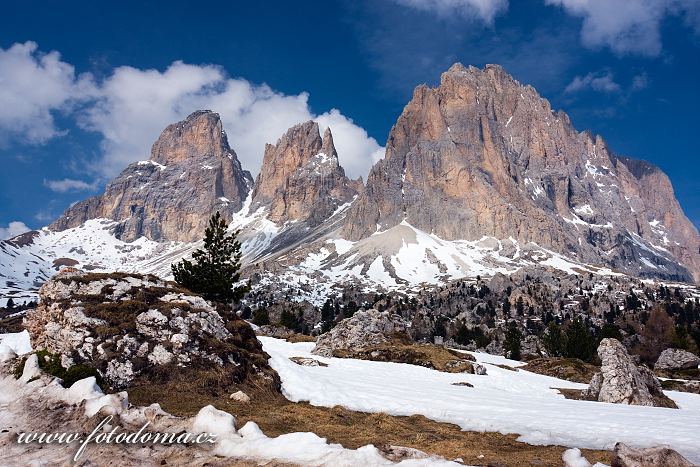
(191, 174)
(482, 154)
(301, 179)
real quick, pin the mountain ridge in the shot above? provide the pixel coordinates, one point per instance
(480, 176)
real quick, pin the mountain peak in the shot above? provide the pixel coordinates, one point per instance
(483, 155)
(201, 134)
(192, 173)
(300, 178)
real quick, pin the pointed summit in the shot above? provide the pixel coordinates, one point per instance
(201, 134)
(328, 148)
(192, 173)
(300, 178)
(483, 155)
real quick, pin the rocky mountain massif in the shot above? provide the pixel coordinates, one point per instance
(480, 176)
(481, 155)
(192, 172)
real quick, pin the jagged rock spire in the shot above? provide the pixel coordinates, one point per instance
(300, 178)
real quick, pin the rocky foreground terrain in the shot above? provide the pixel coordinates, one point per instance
(127, 347)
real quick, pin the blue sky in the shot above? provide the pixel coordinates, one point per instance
(86, 87)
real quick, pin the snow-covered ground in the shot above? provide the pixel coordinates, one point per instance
(248, 442)
(504, 401)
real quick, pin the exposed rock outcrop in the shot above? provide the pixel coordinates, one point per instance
(364, 329)
(627, 456)
(134, 328)
(301, 179)
(676, 359)
(621, 381)
(191, 174)
(482, 155)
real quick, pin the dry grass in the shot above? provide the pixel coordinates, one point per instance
(403, 351)
(570, 369)
(276, 415)
(294, 338)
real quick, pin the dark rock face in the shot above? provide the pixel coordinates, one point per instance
(483, 155)
(301, 179)
(192, 173)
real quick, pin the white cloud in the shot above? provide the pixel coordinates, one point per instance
(600, 81)
(134, 106)
(640, 82)
(13, 229)
(32, 86)
(131, 107)
(483, 10)
(628, 26)
(68, 184)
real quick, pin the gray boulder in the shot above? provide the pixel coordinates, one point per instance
(363, 329)
(131, 327)
(676, 359)
(621, 381)
(627, 456)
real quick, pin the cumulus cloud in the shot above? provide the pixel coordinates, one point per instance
(629, 26)
(604, 81)
(600, 81)
(134, 106)
(130, 107)
(13, 229)
(68, 184)
(33, 86)
(483, 10)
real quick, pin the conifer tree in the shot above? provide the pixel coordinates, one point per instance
(215, 269)
(512, 344)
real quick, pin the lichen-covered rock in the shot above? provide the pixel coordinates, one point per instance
(621, 381)
(132, 327)
(676, 359)
(364, 329)
(627, 456)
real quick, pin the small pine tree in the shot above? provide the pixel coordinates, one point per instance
(440, 329)
(579, 342)
(554, 340)
(512, 344)
(350, 309)
(215, 269)
(506, 307)
(520, 306)
(10, 304)
(261, 317)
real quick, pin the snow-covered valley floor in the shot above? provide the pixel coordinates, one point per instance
(505, 401)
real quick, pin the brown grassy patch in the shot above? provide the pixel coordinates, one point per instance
(400, 350)
(682, 386)
(569, 369)
(294, 338)
(277, 416)
(504, 366)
